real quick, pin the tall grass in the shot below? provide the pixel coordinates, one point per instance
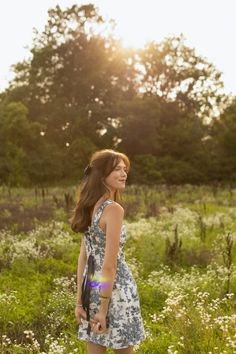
(181, 250)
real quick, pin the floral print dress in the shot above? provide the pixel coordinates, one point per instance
(125, 325)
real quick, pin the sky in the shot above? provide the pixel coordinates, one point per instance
(209, 26)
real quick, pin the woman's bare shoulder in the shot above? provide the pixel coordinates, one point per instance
(114, 208)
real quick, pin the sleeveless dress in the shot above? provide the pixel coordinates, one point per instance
(124, 315)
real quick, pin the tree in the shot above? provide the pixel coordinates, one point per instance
(172, 70)
(14, 126)
(172, 138)
(223, 135)
(75, 76)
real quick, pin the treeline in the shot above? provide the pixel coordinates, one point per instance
(81, 91)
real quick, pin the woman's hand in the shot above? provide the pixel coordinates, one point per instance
(98, 323)
(80, 313)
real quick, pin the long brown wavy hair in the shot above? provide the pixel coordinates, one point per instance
(92, 187)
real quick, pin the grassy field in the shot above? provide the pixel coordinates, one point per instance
(181, 250)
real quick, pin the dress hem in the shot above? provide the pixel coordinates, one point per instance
(112, 346)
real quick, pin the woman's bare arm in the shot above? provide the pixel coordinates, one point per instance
(82, 260)
(113, 218)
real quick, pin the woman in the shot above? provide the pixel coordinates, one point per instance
(114, 319)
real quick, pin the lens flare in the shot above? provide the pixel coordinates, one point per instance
(97, 281)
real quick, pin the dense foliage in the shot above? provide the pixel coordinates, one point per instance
(81, 91)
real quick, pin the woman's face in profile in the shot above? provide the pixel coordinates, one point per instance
(117, 178)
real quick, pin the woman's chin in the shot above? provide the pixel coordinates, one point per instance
(121, 187)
